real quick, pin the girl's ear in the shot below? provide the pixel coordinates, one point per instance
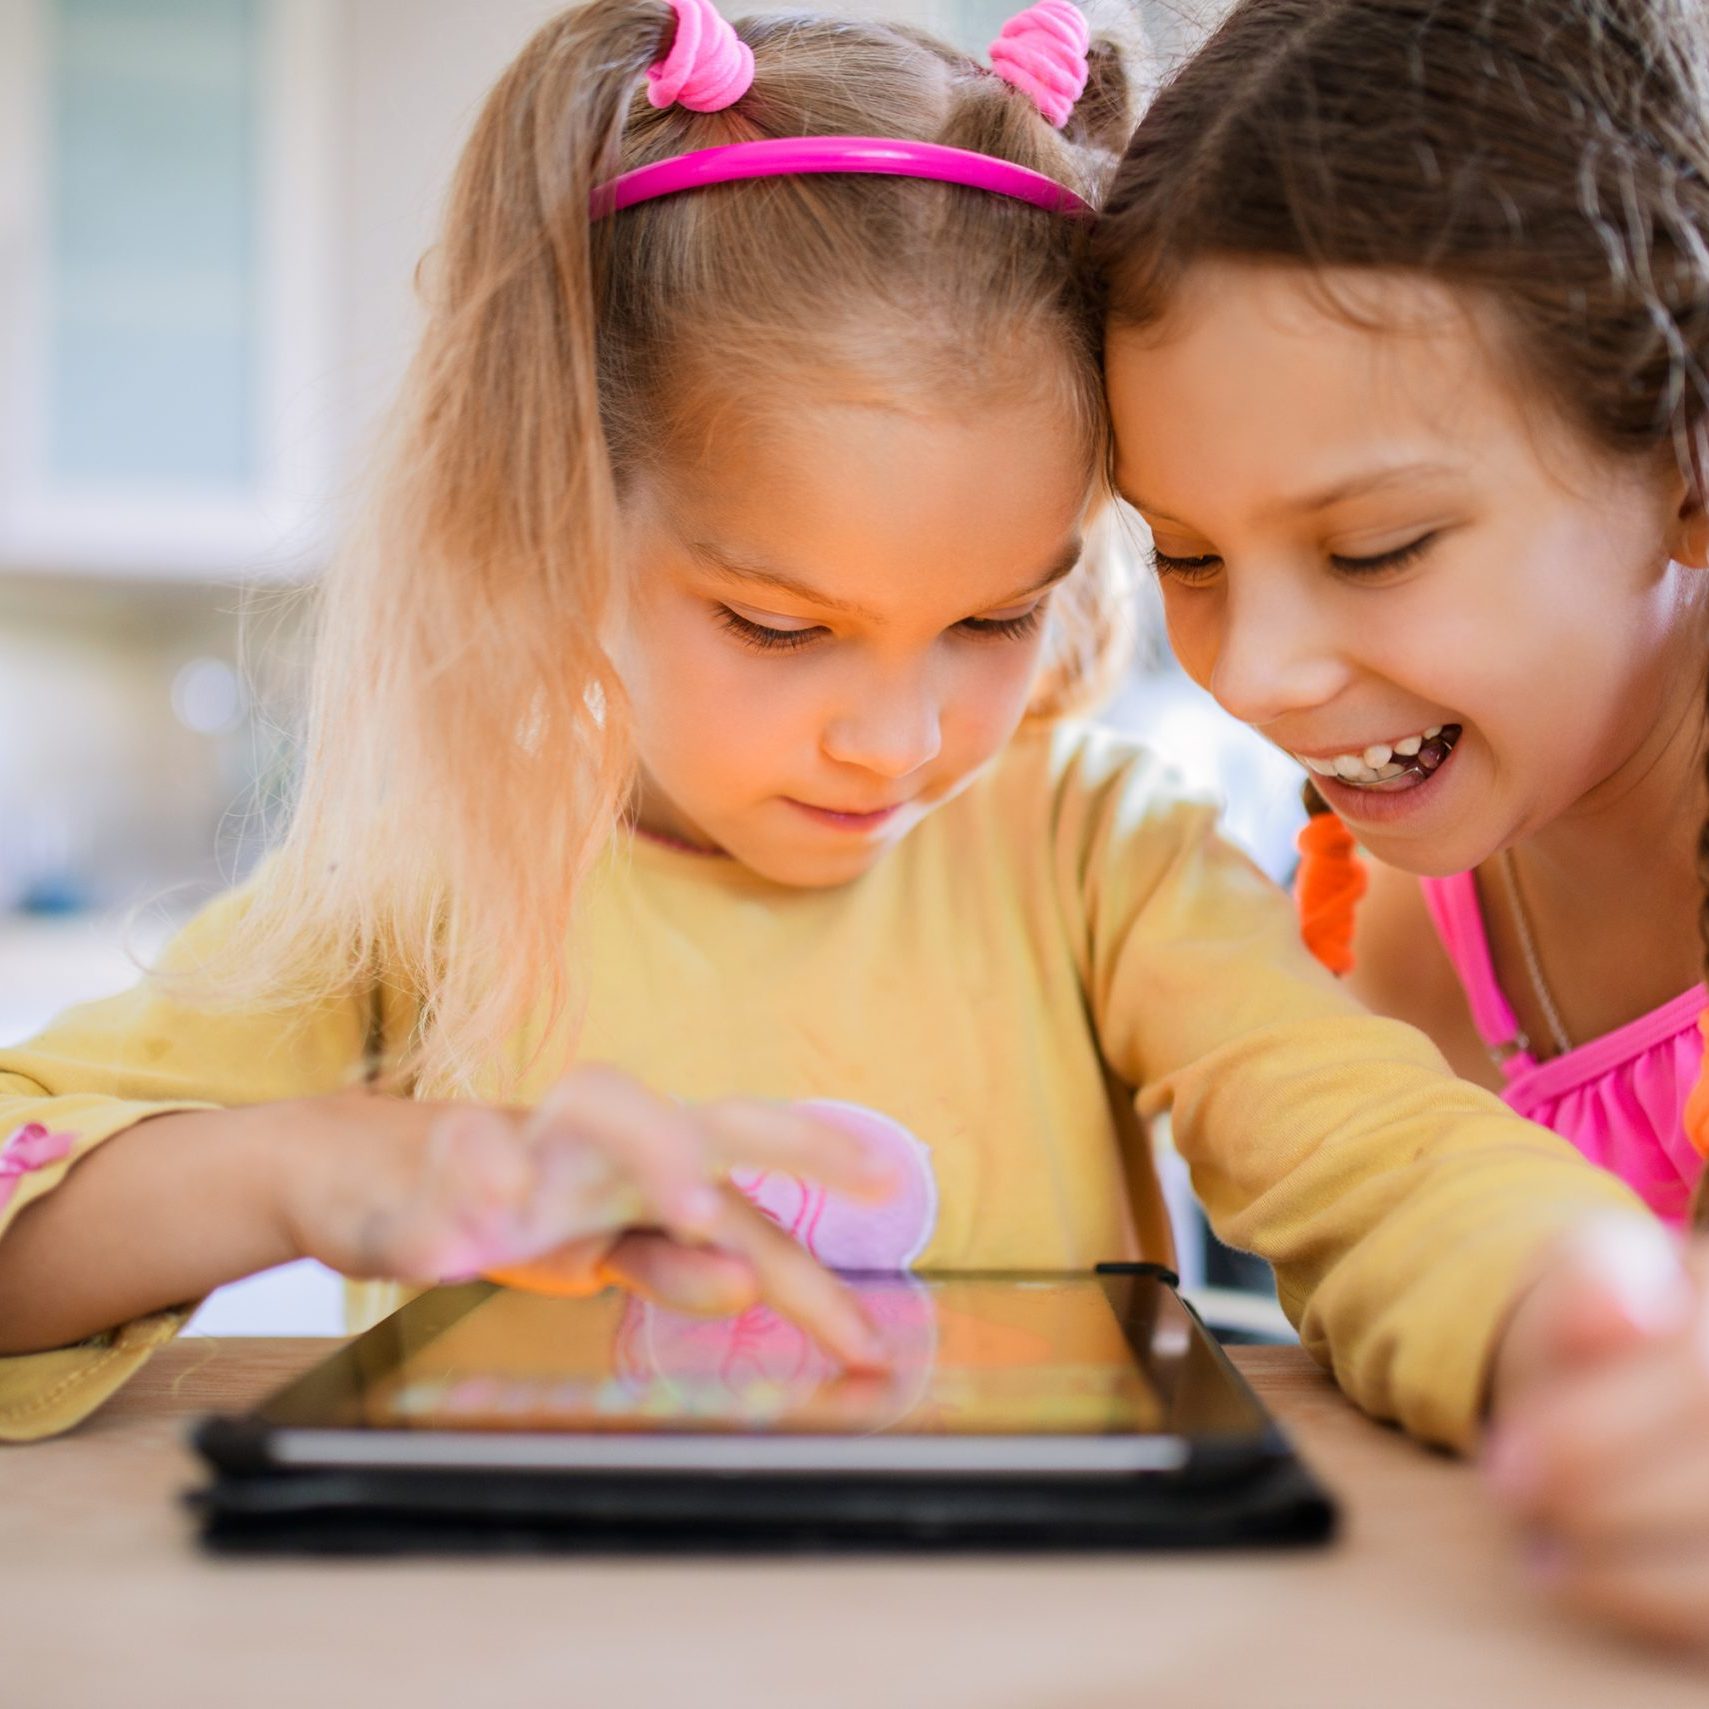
(1689, 543)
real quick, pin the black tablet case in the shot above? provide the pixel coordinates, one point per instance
(336, 1513)
(254, 1507)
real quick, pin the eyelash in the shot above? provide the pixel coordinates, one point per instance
(760, 638)
(1196, 570)
(764, 640)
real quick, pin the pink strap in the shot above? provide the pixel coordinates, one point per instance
(709, 67)
(1042, 52)
(1459, 920)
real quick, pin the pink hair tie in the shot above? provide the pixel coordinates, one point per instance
(709, 67)
(1042, 52)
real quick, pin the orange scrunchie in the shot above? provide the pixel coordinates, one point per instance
(1331, 880)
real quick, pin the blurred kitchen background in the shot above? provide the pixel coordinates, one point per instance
(210, 214)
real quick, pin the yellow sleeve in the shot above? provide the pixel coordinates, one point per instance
(104, 1067)
(1401, 1207)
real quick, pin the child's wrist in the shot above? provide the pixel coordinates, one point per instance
(289, 1155)
(318, 1159)
(257, 1144)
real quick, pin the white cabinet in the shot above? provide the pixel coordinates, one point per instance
(165, 187)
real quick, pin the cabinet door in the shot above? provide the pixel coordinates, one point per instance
(163, 217)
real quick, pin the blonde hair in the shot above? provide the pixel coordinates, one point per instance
(468, 750)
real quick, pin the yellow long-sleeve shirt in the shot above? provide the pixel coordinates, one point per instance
(1060, 952)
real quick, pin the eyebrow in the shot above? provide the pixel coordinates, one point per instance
(1356, 486)
(736, 567)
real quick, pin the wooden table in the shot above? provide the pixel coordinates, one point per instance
(106, 1601)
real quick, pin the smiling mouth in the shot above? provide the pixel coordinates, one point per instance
(1398, 765)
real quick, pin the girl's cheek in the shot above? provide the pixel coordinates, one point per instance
(1000, 698)
(1192, 635)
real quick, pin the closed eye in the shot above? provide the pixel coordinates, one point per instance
(1015, 628)
(1385, 560)
(1189, 570)
(1199, 569)
(763, 639)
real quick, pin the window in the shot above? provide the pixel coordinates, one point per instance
(165, 216)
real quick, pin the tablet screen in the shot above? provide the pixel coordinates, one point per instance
(970, 1355)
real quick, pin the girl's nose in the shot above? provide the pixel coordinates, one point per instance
(892, 732)
(1275, 655)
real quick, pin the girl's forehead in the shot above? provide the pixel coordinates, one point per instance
(1344, 324)
(880, 467)
(876, 508)
(1292, 381)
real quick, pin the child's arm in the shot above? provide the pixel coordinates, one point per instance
(1402, 1208)
(93, 1076)
(131, 1071)
(168, 1210)
(160, 1214)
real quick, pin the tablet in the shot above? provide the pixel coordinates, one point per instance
(1092, 1386)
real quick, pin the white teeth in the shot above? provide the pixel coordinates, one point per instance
(1374, 764)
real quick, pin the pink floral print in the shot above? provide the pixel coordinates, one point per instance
(758, 1345)
(30, 1148)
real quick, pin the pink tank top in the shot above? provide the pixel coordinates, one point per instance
(1620, 1098)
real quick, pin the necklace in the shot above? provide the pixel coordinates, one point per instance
(1533, 965)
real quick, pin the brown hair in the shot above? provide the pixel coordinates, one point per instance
(1550, 155)
(1553, 154)
(468, 754)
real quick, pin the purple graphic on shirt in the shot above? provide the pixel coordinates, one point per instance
(759, 1345)
(30, 1148)
(837, 1231)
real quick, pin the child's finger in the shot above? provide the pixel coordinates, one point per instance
(1572, 1445)
(1659, 1495)
(472, 1188)
(474, 1162)
(754, 1133)
(796, 1286)
(697, 1279)
(647, 1140)
(488, 1174)
(1658, 1591)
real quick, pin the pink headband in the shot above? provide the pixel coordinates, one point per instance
(1041, 52)
(776, 157)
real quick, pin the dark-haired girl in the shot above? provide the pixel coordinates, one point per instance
(1407, 356)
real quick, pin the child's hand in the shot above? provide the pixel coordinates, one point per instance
(1600, 1440)
(605, 1181)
